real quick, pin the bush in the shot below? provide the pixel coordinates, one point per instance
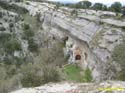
(6, 86)
(28, 34)
(11, 25)
(18, 61)
(2, 29)
(26, 26)
(50, 73)
(8, 80)
(1, 14)
(31, 78)
(53, 55)
(12, 45)
(119, 56)
(87, 75)
(4, 37)
(13, 7)
(33, 47)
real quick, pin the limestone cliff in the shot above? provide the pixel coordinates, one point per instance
(89, 39)
(96, 33)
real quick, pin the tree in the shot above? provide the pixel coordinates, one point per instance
(116, 7)
(123, 11)
(105, 8)
(98, 6)
(84, 4)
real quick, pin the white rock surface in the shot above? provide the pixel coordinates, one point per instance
(77, 88)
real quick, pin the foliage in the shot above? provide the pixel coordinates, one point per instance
(98, 6)
(50, 73)
(33, 47)
(8, 79)
(119, 56)
(116, 7)
(84, 4)
(30, 77)
(28, 35)
(87, 75)
(13, 7)
(2, 29)
(33, 21)
(53, 55)
(74, 13)
(26, 26)
(4, 37)
(73, 73)
(12, 45)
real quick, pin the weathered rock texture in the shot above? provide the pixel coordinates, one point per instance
(104, 87)
(94, 33)
(92, 36)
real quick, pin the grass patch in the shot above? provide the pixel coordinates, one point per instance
(73, 73)
(87, 75)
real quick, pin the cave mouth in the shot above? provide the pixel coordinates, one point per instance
(78, 57)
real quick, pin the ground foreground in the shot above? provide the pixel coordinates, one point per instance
(66, 87)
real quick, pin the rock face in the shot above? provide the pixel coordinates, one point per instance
(93, 34)
(64, 87)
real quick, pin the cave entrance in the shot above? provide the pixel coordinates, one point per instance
(78, 57)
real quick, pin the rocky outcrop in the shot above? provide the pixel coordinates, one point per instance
(94, 32)
(65, 87)
(95, 36)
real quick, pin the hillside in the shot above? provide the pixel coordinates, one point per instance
(42, 43)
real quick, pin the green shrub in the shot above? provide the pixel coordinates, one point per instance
(1, 14)
(8, 61)
(13, 7)
(50, 73)
(8, 80)
(87, 75)
(119, 56)
(11, 25)
(28, 34)
(2, 29)
(33, 47)
(18, 61)
(26, 26)
(31, 78)
(12, 45)
(4, 37)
